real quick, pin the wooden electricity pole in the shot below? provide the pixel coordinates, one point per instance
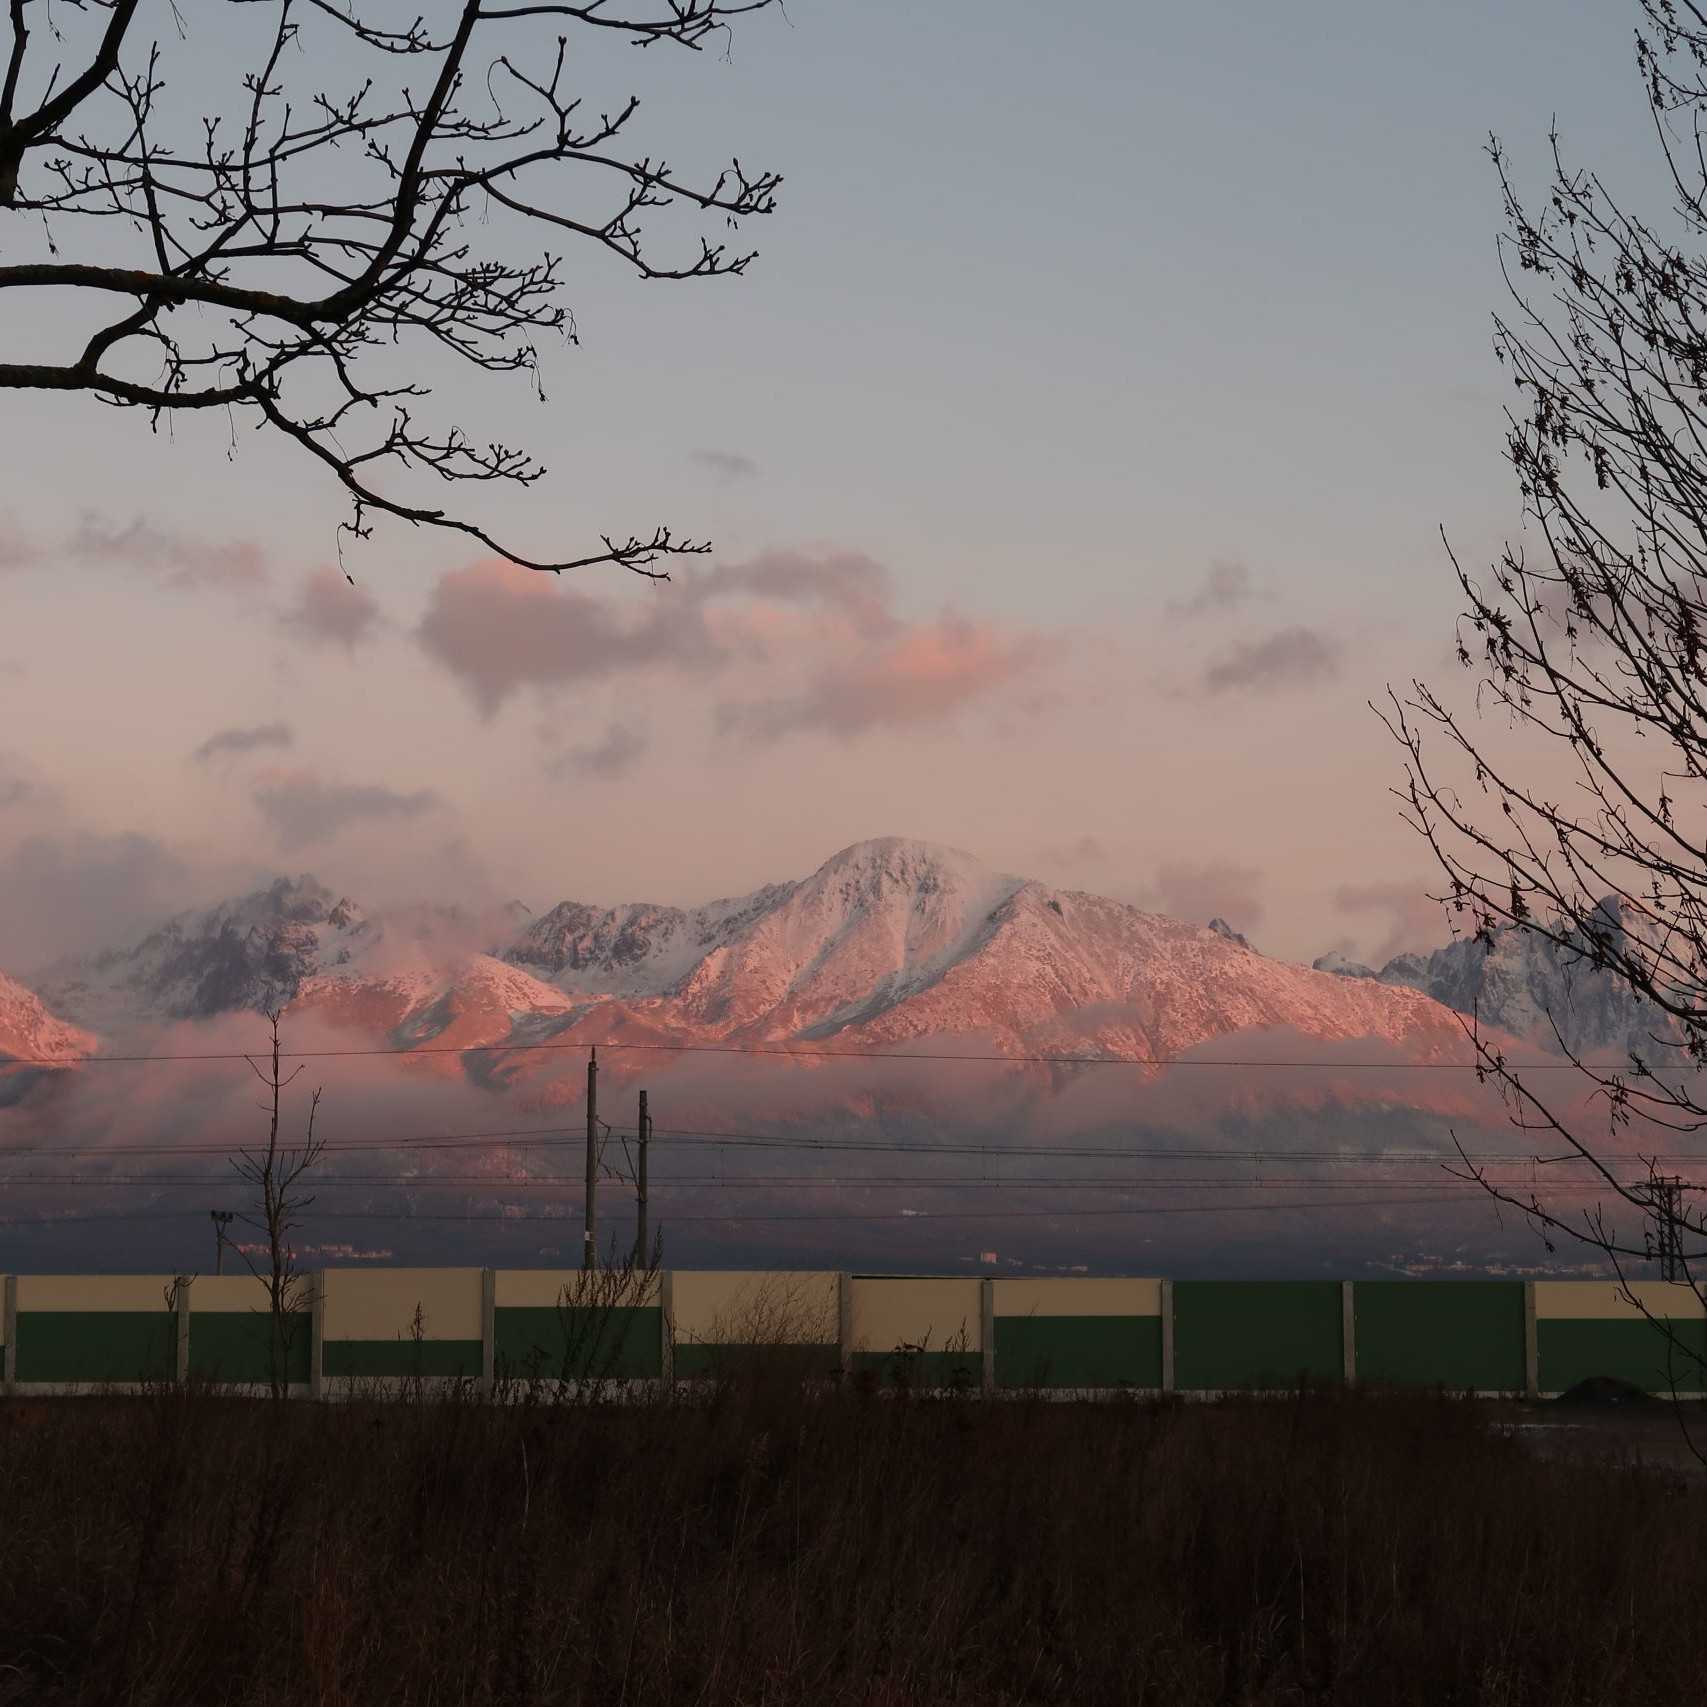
(640, 1185)
(589, 1237)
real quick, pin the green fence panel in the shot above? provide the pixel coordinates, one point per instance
(1237, 1333)
(1454, 1333)
(1078, 1351)
(97, 1345)
(397, 1358)
(579, 1342)
(962, 1370)
(236, 1345)
(1631, 1349)
(693, 1359)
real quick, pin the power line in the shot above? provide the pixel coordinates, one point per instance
(1180, 1153)
(778, 1141)
(761, 1182)
(432, 1140)
(905, 1215)
(791, 1053)
(32, 1221)
(901, 1215)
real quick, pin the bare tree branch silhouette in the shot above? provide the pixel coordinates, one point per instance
(297, 259)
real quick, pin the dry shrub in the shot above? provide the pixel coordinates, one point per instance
(823, 1547)
(776, 1339)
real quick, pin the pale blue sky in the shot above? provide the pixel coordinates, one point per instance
(1062, 305)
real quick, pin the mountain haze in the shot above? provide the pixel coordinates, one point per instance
(928, 1006)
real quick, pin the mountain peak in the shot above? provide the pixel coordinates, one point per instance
(297, 899)
(902, 857)
(1222, 929)
(34, 1042)
(890, 940)
(1523, 983)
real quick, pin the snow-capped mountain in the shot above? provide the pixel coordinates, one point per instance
(252, 952)
(256, 952)
(891, 947)
(1527, 986)
(890, 942)
(34, 1043)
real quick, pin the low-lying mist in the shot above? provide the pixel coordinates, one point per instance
(1267, 1152)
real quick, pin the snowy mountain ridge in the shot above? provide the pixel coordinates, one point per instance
(888, 943)
(34, 1042)
(1532, 988)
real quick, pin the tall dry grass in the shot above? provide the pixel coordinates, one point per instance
(771, 1543)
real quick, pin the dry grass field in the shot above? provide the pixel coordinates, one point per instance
(770, 1545)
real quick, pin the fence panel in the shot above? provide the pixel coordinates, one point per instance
(77, 1328)
(390, 1323)
(922, 1331)
(918, 1331)
(1256, 1334)
(1078, 1333)
(560, 1324)
(1586, 1328)
(725, 1318)
(1461, 1334)
(231, 1331)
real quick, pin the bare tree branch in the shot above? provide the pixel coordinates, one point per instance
(291, 250)
(1588, 643)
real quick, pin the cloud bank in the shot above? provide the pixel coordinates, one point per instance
(1216, 890)
(171, 558)
(1225, 587)
(303, 809)
(727, 464)
(329, 609)
(822, 627)
(243, 740)
(1413, 921)
(1287, 658)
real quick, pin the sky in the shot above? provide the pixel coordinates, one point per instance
(1075, 452)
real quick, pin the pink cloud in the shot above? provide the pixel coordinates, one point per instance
(303, 809)
(849, 582)
(1215, 889)
(1287, 658)
(822, 621)
(330, 608)
(1413, 920)
(172, 558)
(921, 674)
(72, 889)
(1087, 850)
(613, 755)
(500, 629)
(1223, 588)
(248, 739)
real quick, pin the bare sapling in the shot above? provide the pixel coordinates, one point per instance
(275, 1176)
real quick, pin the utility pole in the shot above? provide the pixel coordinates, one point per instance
(640, 1186)
(221, 1220)
(1666, 1240)
(589, 1237)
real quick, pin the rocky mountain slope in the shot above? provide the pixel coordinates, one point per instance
(1529, 987)
(257, 952)
(889, 943)
(34, 1042)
